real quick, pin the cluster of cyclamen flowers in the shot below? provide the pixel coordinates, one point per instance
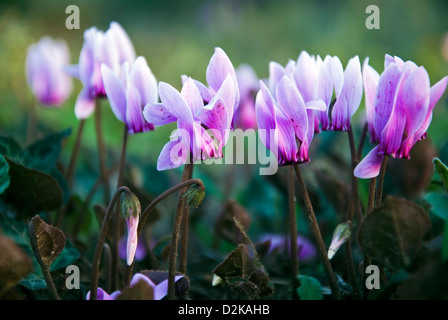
(296, 102)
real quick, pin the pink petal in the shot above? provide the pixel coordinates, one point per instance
(85, 105)
(115, 92)
(157, 114)
(370, 166)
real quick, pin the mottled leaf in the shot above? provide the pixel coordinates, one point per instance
(439, 204)
(392, 233)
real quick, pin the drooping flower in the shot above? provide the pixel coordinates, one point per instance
(203, 114)
(130, 93)
(285, 124)
(402, 110)
(44, 71)
(112, 48)
(248, 83)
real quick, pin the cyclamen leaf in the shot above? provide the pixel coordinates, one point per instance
(392, 233)
(30, 190)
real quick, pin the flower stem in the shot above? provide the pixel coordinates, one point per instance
(145, 214)
(101, 239)
(355, 206)
(370, 206)
(74, 156)
(186, 175)
(317, 235)
(117, 216)
(381, 176)
(101, 152)
(293, 233)
(175, 242)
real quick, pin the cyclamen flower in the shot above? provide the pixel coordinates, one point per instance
(399, 106)
(44, 62)
(285, 121)
(130, 93)
(160, 290)
(204, 115)
(111, 48)
(280, 243)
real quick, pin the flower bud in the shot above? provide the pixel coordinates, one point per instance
(195, 195)
(340, 235)
(130, 208)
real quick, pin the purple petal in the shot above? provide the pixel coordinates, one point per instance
(138, 276)
(205, 93)
(218, 69)
(385, 97)
(276, 72)
(318, 105)
(287, 145)
(173, 155)
(161, 290)
(124, 44)
(134, 114)
(192, 96)
(174, 102)
(336, 71)
(370, 82)
(265, 114)
(306, 76)
(214, 117)
(85, 105)
(325, 83)
(370, 166)
(115, 92)
(144, 81)
(157, 114)
(291, 103)
(414, 97)
(132, 239)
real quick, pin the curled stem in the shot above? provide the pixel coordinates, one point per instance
(101, 239)
(186, 175)
(117, 216)
(317, 235)
(145, 214)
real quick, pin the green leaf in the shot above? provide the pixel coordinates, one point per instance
(4, 176)
(43, 154)
(439, 204)
(442, 171)
(34, 282)
(31, 191)
(310, 288)
(392, 233)
(9, 147)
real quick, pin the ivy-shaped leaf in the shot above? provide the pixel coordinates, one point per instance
(442, 171)
(392, 233)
